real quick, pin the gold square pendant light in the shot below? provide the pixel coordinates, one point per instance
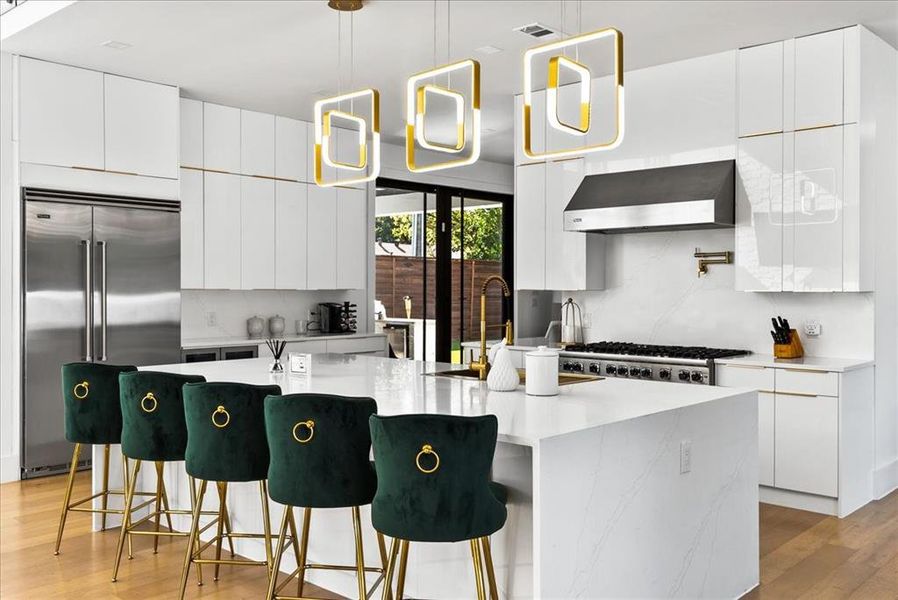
(416, 116)
(367, 166)
(555, 63)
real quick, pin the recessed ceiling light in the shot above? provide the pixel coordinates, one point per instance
(488, 50)
(115, 45)
(537, 30)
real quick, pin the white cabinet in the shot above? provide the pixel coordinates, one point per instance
(352, 239)
(221, 138)
(256, 233)
(530, 227)
(322, 242)
(290, 235)
(807, 444)
(60, 115)
(191, 133)
(256, 143)
(766, 435)
(141, 127)
(759, 214)
(291, 149)
(819, 63)
(565, 250)
(760, 99)
(537, 131)
(817, 218)
(192, 229)
(221, 244)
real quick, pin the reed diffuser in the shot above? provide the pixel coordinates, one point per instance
(277, 350)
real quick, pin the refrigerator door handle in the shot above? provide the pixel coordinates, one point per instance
(102, 246)
(88, 302)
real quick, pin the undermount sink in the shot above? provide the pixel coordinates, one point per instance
(563, 378)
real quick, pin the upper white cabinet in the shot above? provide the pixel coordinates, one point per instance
(530, 227)
(322, 238)
(192, 228)
(60, 115)
(819, 67)
(191, 133)
(141, 127)
(222, 229)
(221, 138)
(537, 130)
(290, 235)
(291, 149)
(565, 250)
(760, 99)
(256, 143)
(352, 239)
(257, 240)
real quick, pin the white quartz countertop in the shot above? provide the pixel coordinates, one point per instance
(811, 363)
(227, 342)
(525, 344)
(401, 387)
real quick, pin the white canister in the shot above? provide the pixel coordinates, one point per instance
(541, 371)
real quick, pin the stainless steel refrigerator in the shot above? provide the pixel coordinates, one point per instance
(101, 284)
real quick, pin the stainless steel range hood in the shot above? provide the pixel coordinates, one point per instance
(699, 196)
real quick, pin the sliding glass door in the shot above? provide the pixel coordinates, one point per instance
(434, 248)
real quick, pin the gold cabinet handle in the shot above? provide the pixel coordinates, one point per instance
(221, 411)
(742, 366)
(803, 395)
(427, 449)
(143, 404)
(84, 386)
(310, 425)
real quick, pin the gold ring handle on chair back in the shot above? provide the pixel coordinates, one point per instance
(143, 406)
(427, 449)
(221, 411)
(310, 425)
(84, 386)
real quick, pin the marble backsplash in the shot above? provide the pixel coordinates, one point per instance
(233, 307)
(653, 296)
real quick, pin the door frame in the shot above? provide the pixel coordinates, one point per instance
(444, 292)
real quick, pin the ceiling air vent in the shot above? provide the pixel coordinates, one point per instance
(537, 30)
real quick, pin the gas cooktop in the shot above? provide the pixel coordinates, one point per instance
(631, 349)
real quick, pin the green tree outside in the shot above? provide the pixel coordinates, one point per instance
(482, 232)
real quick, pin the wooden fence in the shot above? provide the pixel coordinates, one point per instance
(399, 276)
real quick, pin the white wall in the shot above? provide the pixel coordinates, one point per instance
(483, 175)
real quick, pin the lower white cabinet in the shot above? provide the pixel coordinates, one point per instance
(221, 240)
(290, 235)
(322, 240)
(766, 438)
(371, 345)
(257, 237)
(352, 239)
(192, 227)
(807, 444)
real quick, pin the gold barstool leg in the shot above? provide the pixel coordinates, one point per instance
(279, 551)
(192, 539)
(403, 563)
(382, 547)
(165, 500)
(126, 484)
(222, 499)
(227, 526)
(199, 567)
(490, 572)
(266, 522)
(104, 499)
(303, 547)
(158, 505)
(391, 564)
(76, 454)
(359, 553)
(478, 570)
(126, 519)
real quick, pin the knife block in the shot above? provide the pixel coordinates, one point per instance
(793, 349)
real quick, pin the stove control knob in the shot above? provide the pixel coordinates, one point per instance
(697, 376)
(622, 371)
(594, 368)
(683, 375)
(664, 373)
(645, 372)
(610, 369)
(574, 367)
(634, 371)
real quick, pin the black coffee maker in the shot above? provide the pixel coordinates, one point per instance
(336, 317)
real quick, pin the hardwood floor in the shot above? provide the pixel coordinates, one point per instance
(803, 555)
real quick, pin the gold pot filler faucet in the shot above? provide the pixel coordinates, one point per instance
(482, 365)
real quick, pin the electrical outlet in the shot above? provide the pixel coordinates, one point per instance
(812, 328)
(685, 456)
(211, 319)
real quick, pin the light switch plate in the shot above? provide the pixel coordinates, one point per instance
(812, 328)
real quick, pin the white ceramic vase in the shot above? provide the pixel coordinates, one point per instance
(503, 377)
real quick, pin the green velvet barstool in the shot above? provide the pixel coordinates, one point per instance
(320, 446)
(154, 429)
(90, 394)
(225, 443)
(433, 485)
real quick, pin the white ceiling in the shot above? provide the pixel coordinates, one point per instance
(280, 57)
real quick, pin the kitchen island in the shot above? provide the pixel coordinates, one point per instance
(617, 488)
